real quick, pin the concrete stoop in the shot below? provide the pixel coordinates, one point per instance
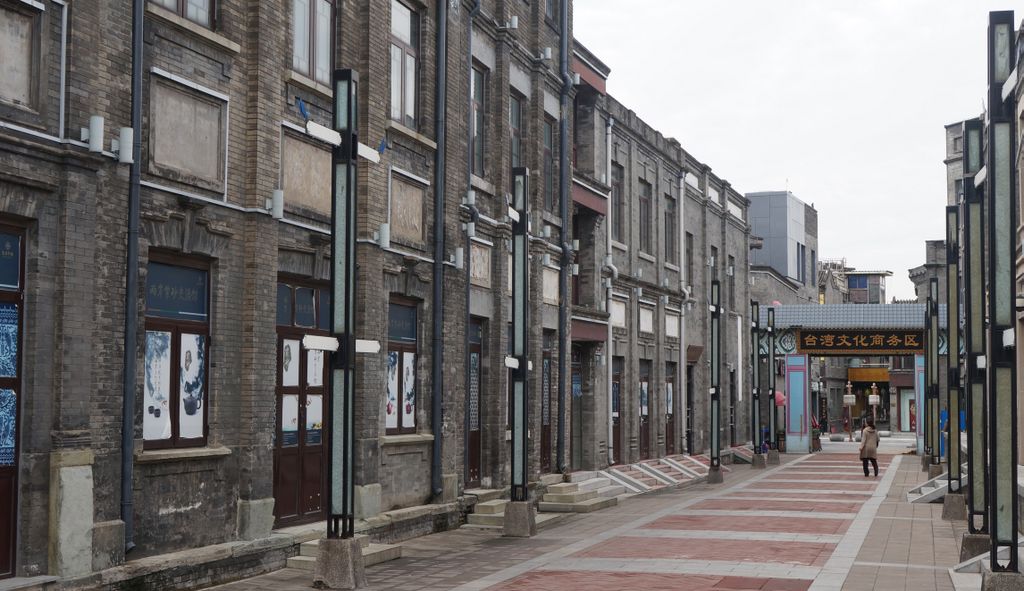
(40, 583)
(969, 575)
(579, 495)
(743, 454)
(932, 490)
(372, 553)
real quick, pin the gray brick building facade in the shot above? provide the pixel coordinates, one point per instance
(230, 420)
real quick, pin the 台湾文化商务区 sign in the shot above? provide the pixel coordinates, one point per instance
(859, 342)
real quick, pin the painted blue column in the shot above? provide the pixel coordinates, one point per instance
(798, 409)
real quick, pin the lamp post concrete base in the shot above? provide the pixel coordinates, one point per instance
(972, 545)
(773, 457)
(759, 462)
(715, 475)
(339, 565)
(935, 470)
(926, 462)
(991, 581)
(520, 520)
(954, 508)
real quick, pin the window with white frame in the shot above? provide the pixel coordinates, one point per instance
(401, 388)
(311, 38)
(197, 11)
(176, 354)
(19, 47)
(478, 93)
(404, 58)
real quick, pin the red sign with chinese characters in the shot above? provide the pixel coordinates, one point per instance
(857, 342)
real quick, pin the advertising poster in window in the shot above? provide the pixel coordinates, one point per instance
(643, 399)
(669, 398)
(391, 404)
(193, 385)
(616, 393)
(8, 340)
(314, 419)
(156, 422)
(577, 384)
(409, 390)
(8, 425)
(290, 420)
(314, 368)
(290, 363)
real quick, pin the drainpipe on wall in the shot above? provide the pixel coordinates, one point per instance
(437, 354)
(682, 314)
(563, 197)
(131, 292)
(609, 358)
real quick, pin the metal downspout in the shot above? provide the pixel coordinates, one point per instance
(609, 358)
(437, 352)
(563, 198)
(131, 292)
(683, 287)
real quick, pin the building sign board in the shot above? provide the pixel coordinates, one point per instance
(858, 342)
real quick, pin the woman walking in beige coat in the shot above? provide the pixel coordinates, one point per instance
(869, 447)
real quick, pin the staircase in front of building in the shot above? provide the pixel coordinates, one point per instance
(372, 553)
(585, 492)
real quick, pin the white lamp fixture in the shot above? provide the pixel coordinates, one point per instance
(94, 134)
(276, 204)
(459, 260)
(126, 137)
(511, 24)
(576, 78)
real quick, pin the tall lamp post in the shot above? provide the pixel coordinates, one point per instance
(873, 401)
(848, 401)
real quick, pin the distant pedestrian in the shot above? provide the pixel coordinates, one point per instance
(869, 447)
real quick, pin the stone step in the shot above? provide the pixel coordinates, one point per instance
(587, 506)
(573, 497)
(312, 547)
(484, 494)
(581, 476)
(612, 490)
(549, 479)
(581, 486)
(490, 507)
(487, 519)
(38, 583)
(545, 520)
(372, 554)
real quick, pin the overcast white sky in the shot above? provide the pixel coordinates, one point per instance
(842, 101)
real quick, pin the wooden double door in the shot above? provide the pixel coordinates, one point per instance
(617, 366)
(670, 401)
(644, 391)
(301, 434)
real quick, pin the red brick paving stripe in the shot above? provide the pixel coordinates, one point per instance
(798, 476)
(808, 506)
(820, 485)
(802, 525)
(616, 581)
(627, 547)
(797, 493)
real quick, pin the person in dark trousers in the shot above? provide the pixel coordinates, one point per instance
(869, 447)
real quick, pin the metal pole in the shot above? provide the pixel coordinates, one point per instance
(563, 200)
(755, 354)
(953, 458)
(343, 289)
(974, 332)
(932, 366)
(520, 359)
(716, 371)
(1001, 355)
(772, 444)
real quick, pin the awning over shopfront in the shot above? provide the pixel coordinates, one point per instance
(590, 198)
(693, 353)
(585, 330)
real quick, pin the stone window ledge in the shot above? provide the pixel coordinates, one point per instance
(481, 185)
(620, 246)
(192, 28)
(174, 455)
(309, 84)
(411, 134)
(413, 439)
(671, 267)
(647, 257)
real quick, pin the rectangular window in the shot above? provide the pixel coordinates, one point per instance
(478, 92)
(671, 233)
(549, 165)
(177, 355)
(551, 9)
(618, 205)
(714, 263)
(19, 46)
(311, 38)
(12, 285)
(180, 117)
(406, 210)
(303, 306)
(197, 11)
(400, 401)
(646, 223)
(515, 125)
(404, 55)
(689, 258)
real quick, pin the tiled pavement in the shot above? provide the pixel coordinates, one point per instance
(814, 523)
